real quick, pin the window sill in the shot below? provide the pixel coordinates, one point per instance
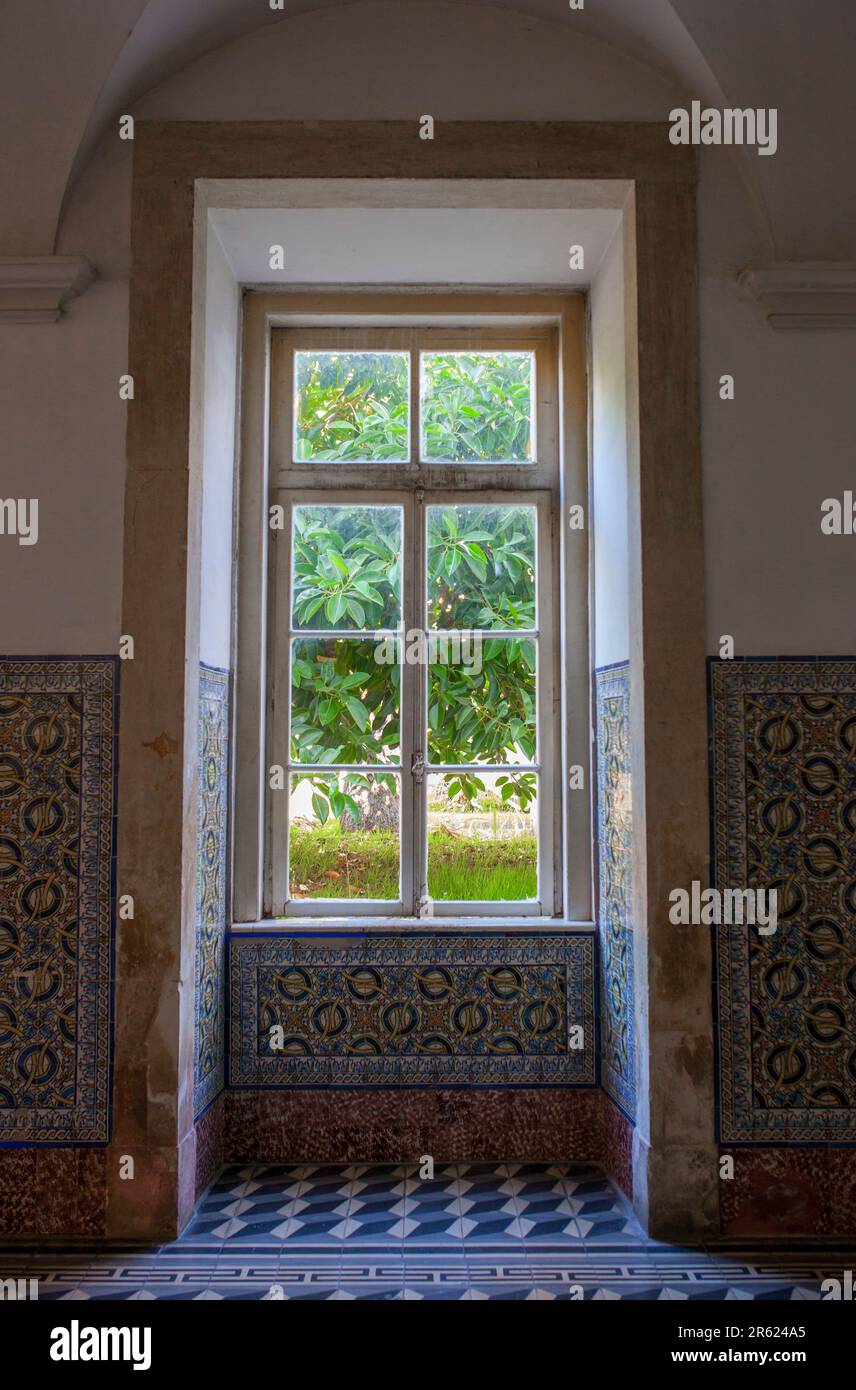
(359, 926)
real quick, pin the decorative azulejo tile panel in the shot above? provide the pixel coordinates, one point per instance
(783, 764)
(413, 1009)
(614, 831)
(58, 745)
(211, 885)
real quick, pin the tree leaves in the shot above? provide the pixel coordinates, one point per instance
(345, 702)
(495, 547)
(351, 406)
(476, 407)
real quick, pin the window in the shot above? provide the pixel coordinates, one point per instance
(413, 730)
(413, 685)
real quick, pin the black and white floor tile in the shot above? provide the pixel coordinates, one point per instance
(475, 1231)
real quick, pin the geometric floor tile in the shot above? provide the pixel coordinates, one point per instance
(514, 1231)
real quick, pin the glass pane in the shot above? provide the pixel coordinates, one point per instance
(351, 407)
(481, 566)
(483, 837)
(346, 571)
(481, 701)
(345, 701)
(344, 835)
(476, 407)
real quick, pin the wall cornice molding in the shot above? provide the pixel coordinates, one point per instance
(35, 289)
(804, 294)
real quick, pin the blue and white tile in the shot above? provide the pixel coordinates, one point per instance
(378, 1233)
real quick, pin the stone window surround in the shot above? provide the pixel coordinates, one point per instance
(627, 164)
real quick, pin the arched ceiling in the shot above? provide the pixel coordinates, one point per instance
(168, 36)
(67, 72)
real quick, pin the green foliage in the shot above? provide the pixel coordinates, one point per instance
(351, 406)
(347, 568)
(482, 870)
(468, 791)
(344, 706)
(481, 567)
(332, 863)
(476, 407)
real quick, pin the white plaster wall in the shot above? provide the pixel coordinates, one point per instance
(63, 440)
(773, 581)
(383, 60)
(609, 459)
(770, 457)
(222, 298)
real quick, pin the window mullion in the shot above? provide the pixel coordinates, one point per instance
(413, 722)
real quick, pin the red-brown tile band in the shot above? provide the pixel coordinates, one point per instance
(790, 1192)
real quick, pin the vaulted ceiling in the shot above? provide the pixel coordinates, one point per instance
(67, 71)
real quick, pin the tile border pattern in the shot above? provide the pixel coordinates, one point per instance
(615, 850)
(211, 886)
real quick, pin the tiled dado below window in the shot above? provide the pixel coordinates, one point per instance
(484, 1008)
(398, 1045)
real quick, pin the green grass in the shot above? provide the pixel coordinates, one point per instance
(482, 870)
(332, 863)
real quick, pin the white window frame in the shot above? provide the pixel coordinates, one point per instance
(270, 477)
(414, 766)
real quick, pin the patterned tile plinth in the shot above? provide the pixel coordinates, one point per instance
(784, 818)
(57, 870)
(211, 885)
(616, 1145)
(413, 1009)
(614, 831)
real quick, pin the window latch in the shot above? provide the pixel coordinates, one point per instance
(417, 767)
